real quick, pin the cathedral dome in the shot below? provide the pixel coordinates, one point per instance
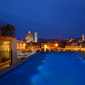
(29, 37)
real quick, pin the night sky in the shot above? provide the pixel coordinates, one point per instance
(52, 19)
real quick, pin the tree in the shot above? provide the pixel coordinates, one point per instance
(8, 30)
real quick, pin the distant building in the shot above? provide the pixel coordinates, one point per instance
(35, 36)
(83, 37)
(34, 46)
(29, 37)
(71, 40)
(67, 39)
(21, 45)
(49, 46)
(73, 47)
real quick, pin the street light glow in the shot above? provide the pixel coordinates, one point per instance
(24, 45)
(45, 46)
(56, 45)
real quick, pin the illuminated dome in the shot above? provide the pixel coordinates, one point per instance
(29, 37)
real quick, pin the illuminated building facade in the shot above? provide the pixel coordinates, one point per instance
(35, 46)
(35, 36)
(49, 46)
(21, 45)
(83, 37)
(59, 45)
(73, 47)
(29, 37)
(8, 51)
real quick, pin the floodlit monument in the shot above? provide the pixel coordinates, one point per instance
(83, 37)
(35, 36)
(29, 37)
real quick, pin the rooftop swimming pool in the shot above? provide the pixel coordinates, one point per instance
(56, 68)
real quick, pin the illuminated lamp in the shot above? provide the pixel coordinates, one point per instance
(24, 45)
(56, 45)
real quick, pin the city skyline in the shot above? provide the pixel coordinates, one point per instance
(51, 19)
(42, 42)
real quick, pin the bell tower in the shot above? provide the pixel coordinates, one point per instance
(83, 37)
(36, 37)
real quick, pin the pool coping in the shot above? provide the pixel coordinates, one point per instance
(6, 70)
(80, 54)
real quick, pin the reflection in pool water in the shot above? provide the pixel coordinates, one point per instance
(59, 68)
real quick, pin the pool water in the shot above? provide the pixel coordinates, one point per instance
(57, 68)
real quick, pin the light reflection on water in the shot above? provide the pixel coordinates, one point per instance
(48, 69)
(59, 70)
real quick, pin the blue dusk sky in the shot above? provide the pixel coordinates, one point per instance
(52, 19)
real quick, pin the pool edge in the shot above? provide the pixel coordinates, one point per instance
(80, 54)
